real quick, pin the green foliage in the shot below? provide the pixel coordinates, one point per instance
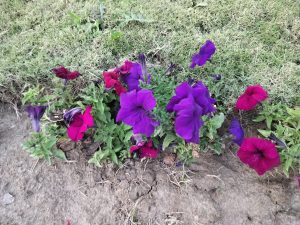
(43, 146)
(114, 138)
(210, 140)
(284, 123)
(271, 113)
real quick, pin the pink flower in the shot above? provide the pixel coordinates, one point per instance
(111, 80)
(79, 124)
(251, 97)
(144, 150)
(126, 67)
(259, 154)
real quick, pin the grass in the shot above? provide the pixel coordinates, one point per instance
(257, 41)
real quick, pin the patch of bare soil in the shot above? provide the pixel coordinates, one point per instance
(214, 190)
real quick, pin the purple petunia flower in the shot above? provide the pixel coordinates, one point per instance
(133, 78)
(189, 104)
(68, 116)
(188, 119)
(135, 111)
(35, 113)
(200, 93)
(237, 131)
(298, 178)
(205, 53)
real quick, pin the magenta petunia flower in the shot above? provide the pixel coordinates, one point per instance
(79, 124)
(126, 67)
(35, 113)
(206, 52)
(189, 104)
(146, 149)
(251, 97)
(259, 154)
(135, 111)
(64, 73)
(237, 131)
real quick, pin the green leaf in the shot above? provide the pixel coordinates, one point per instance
(128, 136)
(114, 158)
(265, 133)
(59, 154)
(217, 120)
(168, 140)
(269, 122)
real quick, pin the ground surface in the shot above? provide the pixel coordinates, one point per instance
(214, 190)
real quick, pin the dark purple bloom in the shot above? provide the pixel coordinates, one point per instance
(200, 93)
(135, 111)
(298, 178)
(188, 119)
(68, 116)
(277, 140)
(205, 53)
(190, 103)
(237, 131)
(146, 75)
(133, 78)
(35, 113)
(216, 76)
(64, 73)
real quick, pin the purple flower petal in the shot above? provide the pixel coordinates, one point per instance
(68, 116)
(133, 78)
(135, 111)
(188, 120)
(237, 131)
(35, 113)
(205, 54)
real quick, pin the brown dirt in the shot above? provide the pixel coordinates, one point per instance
(214, 190)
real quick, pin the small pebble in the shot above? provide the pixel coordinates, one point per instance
(8, 199)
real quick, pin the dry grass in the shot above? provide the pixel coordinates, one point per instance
(257, 41)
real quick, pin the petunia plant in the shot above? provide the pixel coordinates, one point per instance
(137, 111)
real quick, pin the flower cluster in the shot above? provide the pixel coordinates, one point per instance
(259, 154)
(129, 74)
(189, 104)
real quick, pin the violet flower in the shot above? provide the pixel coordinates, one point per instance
(133, 78)
(188, 119)
(189, 104)
(68, 116)
(135, 111)
(205, 54)
(35, 113)
(237, 131)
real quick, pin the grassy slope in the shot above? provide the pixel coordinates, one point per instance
(257, 41)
